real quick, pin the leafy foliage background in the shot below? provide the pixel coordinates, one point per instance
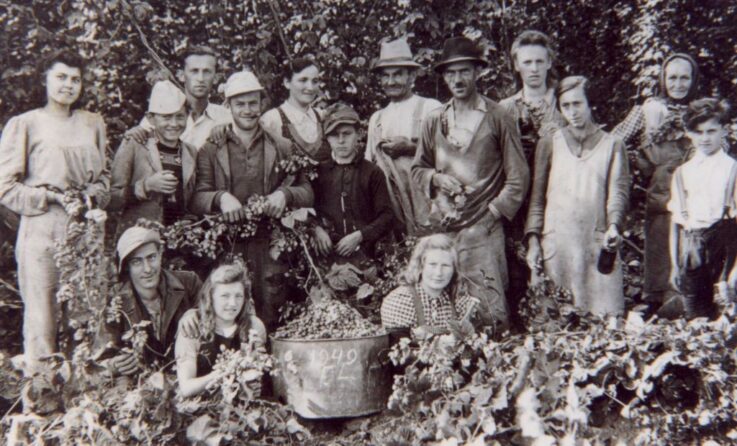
(617, 43)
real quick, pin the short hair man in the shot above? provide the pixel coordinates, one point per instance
(536, 114)
(199, 67)
(241, 164)
(703, 203)
(147, 292)
(394, 130)
(471, 147)
(533, 107)
(351, 198)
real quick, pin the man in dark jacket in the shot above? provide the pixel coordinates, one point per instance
(351, 197)
(146, 293)
(242, 164)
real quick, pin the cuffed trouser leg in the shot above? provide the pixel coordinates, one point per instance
(38, 279)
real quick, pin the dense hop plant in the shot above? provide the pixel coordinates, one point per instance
(571, 380)
(629, 380)
(619, 45)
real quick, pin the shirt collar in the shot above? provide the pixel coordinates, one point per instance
(289, 108)
(231, 135)
(479, 104)
(353, 162)
(590, 130)
(699, 156)
(441, 298)
(549, 97)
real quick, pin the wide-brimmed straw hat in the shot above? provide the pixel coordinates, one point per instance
(460, 49)
(395, 54)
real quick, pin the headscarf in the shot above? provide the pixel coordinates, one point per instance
(694, 78)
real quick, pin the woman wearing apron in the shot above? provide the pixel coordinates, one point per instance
(43, 153)
(295, 119)
(656, 127)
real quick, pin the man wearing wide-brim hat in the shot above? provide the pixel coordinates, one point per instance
(394, 130)
(240, 165)
(470, 163)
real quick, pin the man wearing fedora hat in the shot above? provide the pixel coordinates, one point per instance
(241, 164)
(469, 154)
(146, 293)
(536, 114)
(392, 137)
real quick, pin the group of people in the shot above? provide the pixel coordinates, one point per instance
(534, 168)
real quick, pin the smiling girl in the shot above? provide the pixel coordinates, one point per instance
(44, 153)
(428, 300)
(296, 119)
(226, 321)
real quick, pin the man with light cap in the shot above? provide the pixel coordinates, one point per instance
(394, 130)
(155, 180)
(242, 164)
(351, 198)
(469, 161)
(146, 292)
(198, 72)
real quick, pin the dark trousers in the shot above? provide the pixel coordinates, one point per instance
(707, 259)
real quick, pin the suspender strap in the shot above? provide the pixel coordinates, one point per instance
(284, 123)
(681, 193)
(417, 118)
(419, 311)
(729, 192)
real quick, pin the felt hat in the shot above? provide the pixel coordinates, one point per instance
(460, 49)
(395, 54)
(166, 98)
(241, 82)
(132, 239)
(337, 114)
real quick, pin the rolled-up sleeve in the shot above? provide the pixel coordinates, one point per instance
(423, 165)
(536, 212)
(618, 186)
(14, 153)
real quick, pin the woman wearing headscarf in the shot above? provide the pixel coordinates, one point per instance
(656, 128)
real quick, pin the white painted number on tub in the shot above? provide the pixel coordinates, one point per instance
(335, 365)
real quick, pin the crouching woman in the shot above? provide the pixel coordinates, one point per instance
(428, 299)
(226, 321)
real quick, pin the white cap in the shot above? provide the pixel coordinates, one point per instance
(166, 98)
(132, 239)
(241, 82)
